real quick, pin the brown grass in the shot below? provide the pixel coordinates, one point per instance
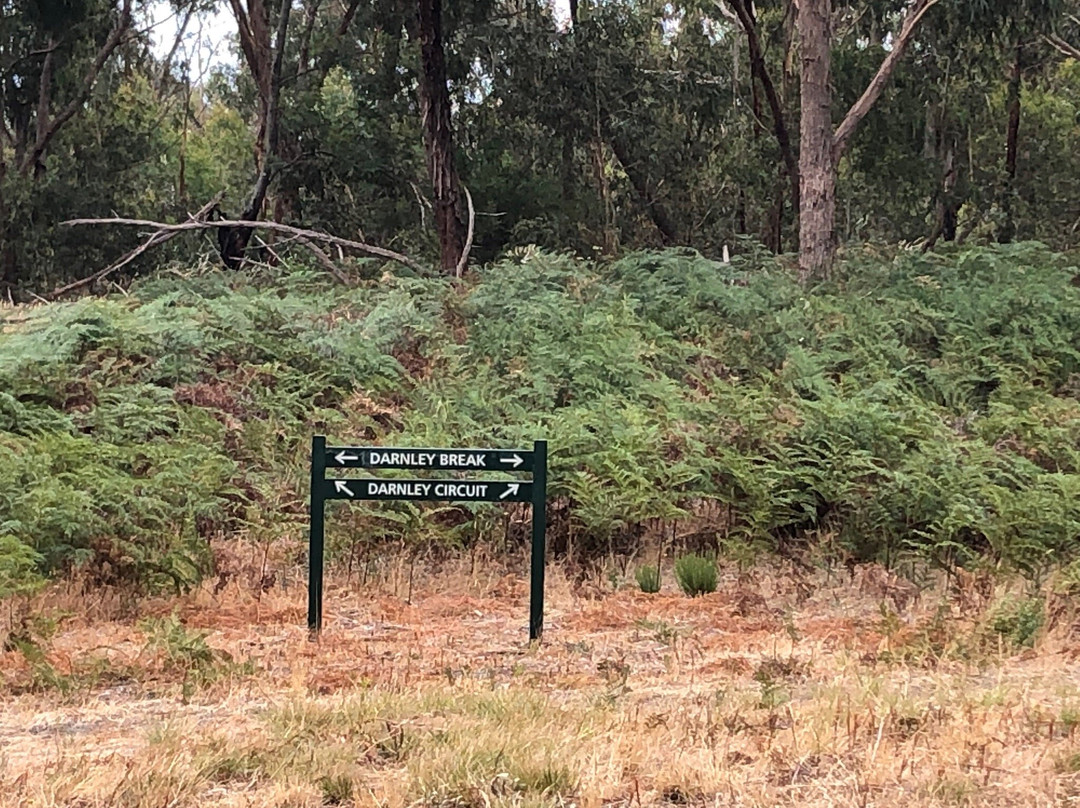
(780, 688)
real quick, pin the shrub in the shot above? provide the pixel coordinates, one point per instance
(648, 578)
(1019, 621)
(696, 575)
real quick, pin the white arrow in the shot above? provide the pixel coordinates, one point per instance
(343, 456)
(510, 489)
(515, 460)
(341, 487)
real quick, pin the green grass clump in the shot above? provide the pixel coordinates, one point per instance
(1019, 621)
(696, 575)
(648, 579)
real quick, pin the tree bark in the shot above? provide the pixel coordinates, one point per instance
(438, 136)
(817, 169)
(266, 61)
(1012, 138)
(253, 31)
(821, 149)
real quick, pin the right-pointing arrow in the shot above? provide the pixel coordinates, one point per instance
(342, 488)
(510, 491)
(514, 460)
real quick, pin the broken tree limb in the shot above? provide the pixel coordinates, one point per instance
(1063, 47)
(311, 235)
(158, 237)
(324, 259)
(463, 262)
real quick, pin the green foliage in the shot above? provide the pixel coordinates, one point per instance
(183, 649)
(648, 579)
(696, 575)
(336, 789)
(1018, 621)
(916, 405)
(18, 568)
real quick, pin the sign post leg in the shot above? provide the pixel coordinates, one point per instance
(539, 540)
(316, 541)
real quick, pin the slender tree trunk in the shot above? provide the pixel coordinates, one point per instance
(438, 136)
(9, 263)
(646, 191)
(567, 168)
(817, 167)
(1012, 137)
(265, 59)
(758, 69)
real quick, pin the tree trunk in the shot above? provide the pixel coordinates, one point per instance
(817, 168)
(821, 149)
(1012, 136)
(9, 262)
(265, 60)
(46, 126)
(439, 137)
(646, 191)
(758, 70)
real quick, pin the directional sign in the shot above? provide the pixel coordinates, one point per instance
(440, 459)
(482, 462)
(429, 490)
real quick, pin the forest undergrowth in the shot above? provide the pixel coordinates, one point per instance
(916, 409)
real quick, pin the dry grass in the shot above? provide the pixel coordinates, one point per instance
(780, 688)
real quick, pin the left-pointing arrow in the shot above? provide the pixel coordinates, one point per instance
(510, 491)
(343, 457)
(342, 488)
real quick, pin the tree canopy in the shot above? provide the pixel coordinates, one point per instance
(453, 133)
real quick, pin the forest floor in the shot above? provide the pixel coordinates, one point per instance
(783, 687)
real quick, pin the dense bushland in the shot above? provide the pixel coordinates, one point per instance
(916, 405)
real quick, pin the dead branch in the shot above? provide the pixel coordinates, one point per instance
(166, 64)
(324, 259)
(311, 235)
(459, 270)
(158, 237)
(1062, 46)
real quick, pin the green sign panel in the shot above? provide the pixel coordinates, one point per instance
(429, 490)
(434, 459)
(482, 489)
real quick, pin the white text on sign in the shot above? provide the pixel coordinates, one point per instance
(422, 490)
(426, 459)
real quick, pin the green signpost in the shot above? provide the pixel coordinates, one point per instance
(329, 458)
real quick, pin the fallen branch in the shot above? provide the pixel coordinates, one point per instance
(1060, 45)
(459, 270)
(324, 259)
(159, 237)
(310, 235)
